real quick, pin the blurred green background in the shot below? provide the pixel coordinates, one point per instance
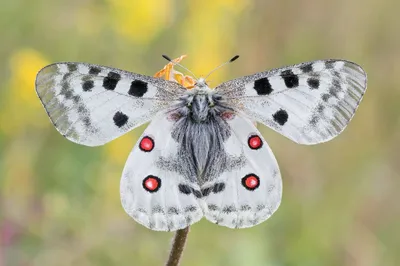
(59, 202)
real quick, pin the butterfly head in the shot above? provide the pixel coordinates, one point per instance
(201, 83)
(188, 82)
(201, 103)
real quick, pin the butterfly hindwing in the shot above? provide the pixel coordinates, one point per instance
(250, 192)
(91, 104)
(309, 103)
(153, 191)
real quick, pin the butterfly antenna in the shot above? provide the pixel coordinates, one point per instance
(218, 67)
(177, 64)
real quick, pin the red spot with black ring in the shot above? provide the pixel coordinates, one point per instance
(255, 142)
(251, 182)
(151, 183)
(146, 144)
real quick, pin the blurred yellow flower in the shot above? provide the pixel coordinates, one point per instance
(118, 150)
(203, 34)
(24, 65)
(21, 100)
(140, 21)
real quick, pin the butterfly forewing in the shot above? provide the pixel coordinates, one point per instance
(309, 103)
(250, 192)
(91, 104)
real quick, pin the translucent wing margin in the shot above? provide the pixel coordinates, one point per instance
(92, 104)
(309, 103)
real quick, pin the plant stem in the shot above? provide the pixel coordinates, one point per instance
(178, 244)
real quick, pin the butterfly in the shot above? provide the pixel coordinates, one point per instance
(201, 155)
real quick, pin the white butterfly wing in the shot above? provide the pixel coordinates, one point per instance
(251, 191)
(309, 103)
(91, 104)
(153, 192)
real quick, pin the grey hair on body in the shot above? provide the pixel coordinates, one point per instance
(201, 129)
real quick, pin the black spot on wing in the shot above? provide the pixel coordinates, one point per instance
(76, 99)
(314, 120)
(213, 207)
(173, 210)
(254, 221)
(260, 207)
(111, 81)
(280, 117)
(197, 193)
(66, 77)
(185, 189)
(262, 86)
(229, 209)
(239, 223)
(218, 187)
(68, 95)
(157, 209)
(326, 96)
(88, 85)
(306, 68)
(82, 109)
(120, 119)
(329, 64)
(142, 210)
(245, 207)
(337, 75)
(291, 80)
(138, 88)
(336, 83)
(313, 83)
(206, 191)
(191, 208)
(334, 91)
(66, 89)
(86, 121)
(72, 67)
(94, 70)
(320, 108)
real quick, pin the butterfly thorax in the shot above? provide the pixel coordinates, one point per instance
(199, 108)
(201, 103)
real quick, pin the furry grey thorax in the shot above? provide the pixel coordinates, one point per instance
(201, 129)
